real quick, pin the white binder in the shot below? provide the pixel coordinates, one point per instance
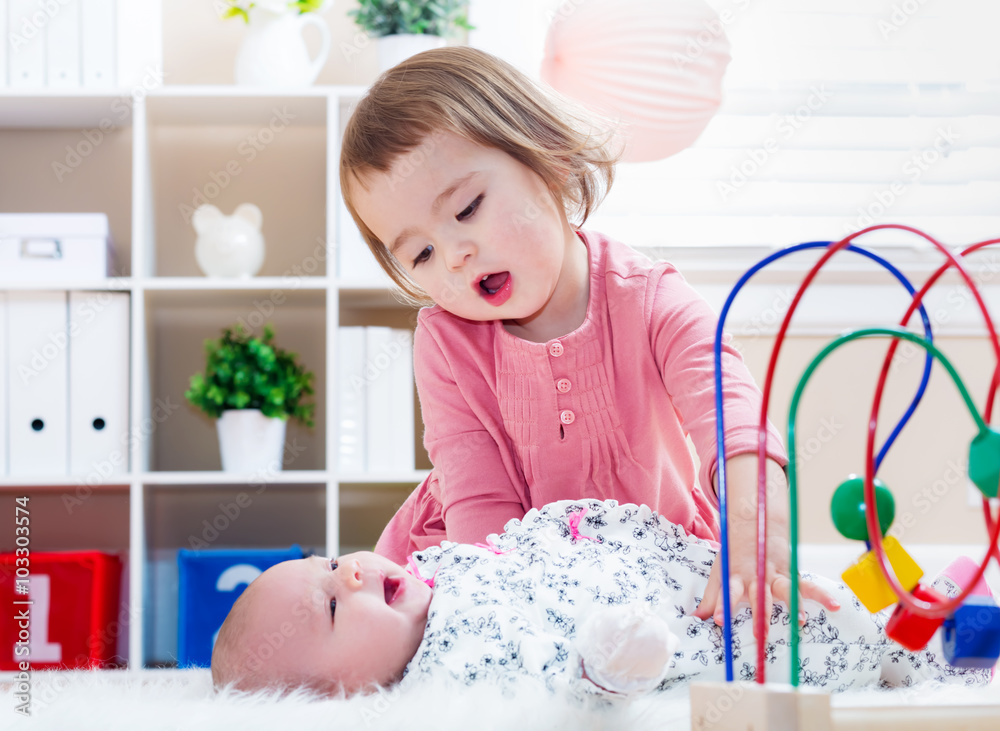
(352, 390)
(62, 46)
(355, 261)
(390, 399)
(25, 45)
(3, 383)
(379, 401)
(139, 43)
(98, 383)
(37, 343)
(401, 378)
(3, 43)
(97, 43)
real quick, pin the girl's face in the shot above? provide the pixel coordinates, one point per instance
(345, 623)
(480, 232)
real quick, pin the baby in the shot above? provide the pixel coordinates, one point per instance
(586, 596)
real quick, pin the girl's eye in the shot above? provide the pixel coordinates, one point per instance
(472, 208)
(467, 213)
(423, 256)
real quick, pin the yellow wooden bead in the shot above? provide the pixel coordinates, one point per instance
(866, 580)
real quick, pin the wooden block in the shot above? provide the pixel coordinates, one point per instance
(814, 710)
(911, 630)
(971, 637)
(866, 581)
(746, 706)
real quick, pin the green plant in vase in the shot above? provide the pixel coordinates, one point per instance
(252, 387)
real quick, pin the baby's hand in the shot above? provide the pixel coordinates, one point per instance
(626, 649)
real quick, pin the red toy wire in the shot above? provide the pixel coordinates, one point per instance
(994, 383)
(760, 621)
(917, 606)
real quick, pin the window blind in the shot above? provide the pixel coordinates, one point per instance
(836, 114)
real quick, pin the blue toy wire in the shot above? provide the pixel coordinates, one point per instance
(727, 625)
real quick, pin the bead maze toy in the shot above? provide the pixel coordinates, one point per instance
(862, 509)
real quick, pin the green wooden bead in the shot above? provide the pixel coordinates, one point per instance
(984, 461)
(848, 508)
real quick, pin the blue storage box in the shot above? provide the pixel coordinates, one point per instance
(210, 582)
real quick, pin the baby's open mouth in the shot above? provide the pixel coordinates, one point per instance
(492, 283)
(391, 587)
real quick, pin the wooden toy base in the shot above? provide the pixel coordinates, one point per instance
(745, 706)
(775, 707)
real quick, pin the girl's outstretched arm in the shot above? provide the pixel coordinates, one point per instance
(683, 338)
(741, 475)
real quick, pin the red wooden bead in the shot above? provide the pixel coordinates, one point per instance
(912, 630)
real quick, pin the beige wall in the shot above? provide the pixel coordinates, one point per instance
(832, 428)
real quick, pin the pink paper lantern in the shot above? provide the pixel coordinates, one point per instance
(655, 65)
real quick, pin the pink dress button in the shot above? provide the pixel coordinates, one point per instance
(567, 417)
(563, 385)
(556, 349)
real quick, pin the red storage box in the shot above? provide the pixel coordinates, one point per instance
(73, 619)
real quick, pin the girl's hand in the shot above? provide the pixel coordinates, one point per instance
(743, 578)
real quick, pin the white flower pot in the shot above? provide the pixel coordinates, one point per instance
(395, 48)
(250, 441)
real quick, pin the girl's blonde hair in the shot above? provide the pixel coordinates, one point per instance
(487, 101)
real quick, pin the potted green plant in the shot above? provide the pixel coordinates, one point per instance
(405, 27)
(252, 388)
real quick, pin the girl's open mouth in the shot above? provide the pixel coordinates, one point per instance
(496, 288)
(393, 588)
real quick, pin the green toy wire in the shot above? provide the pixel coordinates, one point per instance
(793, 501)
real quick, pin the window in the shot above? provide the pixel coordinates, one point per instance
(836, 114)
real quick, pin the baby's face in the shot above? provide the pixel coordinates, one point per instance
(342, 623)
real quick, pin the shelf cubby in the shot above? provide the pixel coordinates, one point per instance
(79, 517)
(179, 321)
(72, 154)
(227, 149)
(265, 515)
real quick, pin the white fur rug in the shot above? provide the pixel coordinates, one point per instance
(184, 699)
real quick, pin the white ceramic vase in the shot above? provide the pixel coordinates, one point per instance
(395, 48)
(274, 53)
(250, 441)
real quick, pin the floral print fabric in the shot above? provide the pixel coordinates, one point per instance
(509, 612)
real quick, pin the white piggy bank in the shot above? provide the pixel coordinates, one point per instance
(229, 246)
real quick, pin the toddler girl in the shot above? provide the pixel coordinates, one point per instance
(554, 363)
(584, 597)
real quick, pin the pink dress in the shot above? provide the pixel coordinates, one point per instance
(602, 412)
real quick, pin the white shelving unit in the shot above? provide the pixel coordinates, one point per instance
(173, 149)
